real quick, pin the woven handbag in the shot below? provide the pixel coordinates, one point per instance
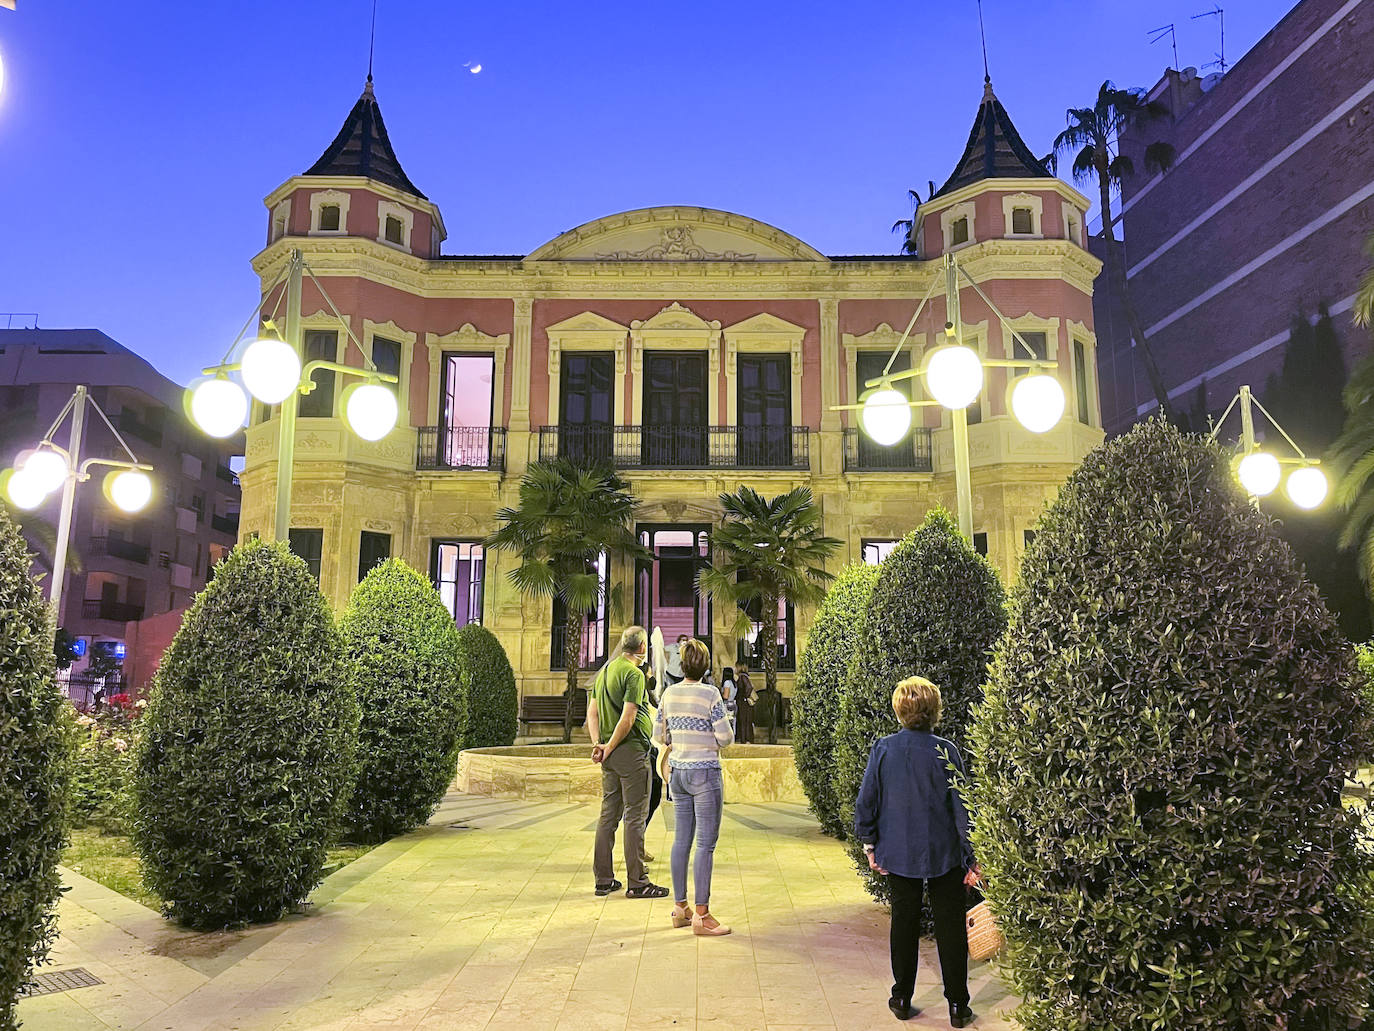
(984, 939)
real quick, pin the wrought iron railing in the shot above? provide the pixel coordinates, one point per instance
(910, 454)
(225, 523)
(117, 547)
(461, 447)
(681, 447)
(119, 611)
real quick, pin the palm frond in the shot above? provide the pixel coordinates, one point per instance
(1160, 156)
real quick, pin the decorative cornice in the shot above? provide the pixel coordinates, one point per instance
(677, 245)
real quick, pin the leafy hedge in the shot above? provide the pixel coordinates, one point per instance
(404, 652)
(821, 677)
(1364, 655)
(33, 773)
(490, 703)
(936, 611)
(1161, 752)
(245, 759)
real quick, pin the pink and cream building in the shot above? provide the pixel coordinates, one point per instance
(696, 349)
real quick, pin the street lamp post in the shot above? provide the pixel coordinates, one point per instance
(1259, 471)
(270, 368)
(43, 469)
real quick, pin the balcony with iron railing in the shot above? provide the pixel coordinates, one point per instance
(681, 447)
(117, 547)
(119, 611)
(461, 448)
(228, 523)
(911, 454)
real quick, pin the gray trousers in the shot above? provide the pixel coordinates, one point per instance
(624, 796)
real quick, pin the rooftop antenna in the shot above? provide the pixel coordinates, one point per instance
(1166, 30)
(1220, 15)
(372, 40)
(982, 33)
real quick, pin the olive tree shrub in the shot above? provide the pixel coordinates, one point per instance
(1166, 731)
(821, 677)
(403, 649)
(486, 687)
(936, 611)
(34, 732)
(245, 760)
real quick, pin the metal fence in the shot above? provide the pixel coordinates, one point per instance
(911, 454)
(461, 447)
(681, 447)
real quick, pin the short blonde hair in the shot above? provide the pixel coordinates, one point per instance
(916, 702)
(695, 659)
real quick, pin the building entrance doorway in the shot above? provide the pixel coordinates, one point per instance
(665, 587)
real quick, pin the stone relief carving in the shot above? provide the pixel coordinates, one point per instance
(676, 243)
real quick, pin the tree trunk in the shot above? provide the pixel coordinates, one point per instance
(1116, 268)
(770, 665)
(572, 648)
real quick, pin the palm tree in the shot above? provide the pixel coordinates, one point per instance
(907, 226)
(765, 553)
(1095, 133)
(1352, 455)
(570, 515)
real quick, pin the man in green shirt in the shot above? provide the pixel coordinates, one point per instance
(619, 726)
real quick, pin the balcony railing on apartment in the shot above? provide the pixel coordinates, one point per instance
(225, 523)
(681, 447)
(461, 447)
(911, 454)
(129, 422)
(117, 547)
(119, 611)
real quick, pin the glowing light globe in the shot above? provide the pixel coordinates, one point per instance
(885, 416)
(219, 406)
(1307, 487)
(129, 489)
(25, 489)
(48, 469)
(271, 370)
(1038, 402)
(1259, 473)
(954, 374)
(371, 410)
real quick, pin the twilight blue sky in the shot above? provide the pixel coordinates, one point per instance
(137, 139)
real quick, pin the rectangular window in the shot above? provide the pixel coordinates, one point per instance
(751, 647)
(386, 355)
(872, 455)
(465, 433)
(1039, 345)
(586, 405)
(329, 217)
(1022, 224)
(764, 411)
(308, 543)
(980, 544)
(674, 433)
(1028, 537)
(320, 345)
(1080, 382)
(874, 551)
(595, 626)
(393, 229)
(373, 550)
(459, 569)
(958, 231)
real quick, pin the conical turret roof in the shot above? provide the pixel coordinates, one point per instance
(995, 149)
(363, 148)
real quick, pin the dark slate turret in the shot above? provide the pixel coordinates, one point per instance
(363, 148)
(995, 149)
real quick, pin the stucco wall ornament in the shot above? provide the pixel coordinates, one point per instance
(676, 243)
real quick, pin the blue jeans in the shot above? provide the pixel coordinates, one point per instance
(697, 798)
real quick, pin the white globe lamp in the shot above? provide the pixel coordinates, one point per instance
(1037, 401)
(1307, 487)
(24, 489)
(129, 489)
(271, 370)
(371, 410)
(219, 406)
(47, 468)
(954, 374)
(886, 415)
(1259, 473)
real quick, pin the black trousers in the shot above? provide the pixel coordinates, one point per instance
(951, 933)
(655, 786)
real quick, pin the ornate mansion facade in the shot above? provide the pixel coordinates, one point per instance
(696, 349)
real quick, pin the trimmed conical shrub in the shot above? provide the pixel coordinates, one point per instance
(33, 773)
(490, 703)
(936, 611)
(821, 678)
(245, 760)
(404, 652)
(1161, 754)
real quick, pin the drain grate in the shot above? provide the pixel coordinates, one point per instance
(60, 981)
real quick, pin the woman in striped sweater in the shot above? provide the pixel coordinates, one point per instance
(693, 726)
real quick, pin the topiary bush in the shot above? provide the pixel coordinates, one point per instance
(34, 736)
(821, 677)
(244, 762)
(404, 652)
(936, 611)
(490, 702)
(1364, 656)
(1166, 730)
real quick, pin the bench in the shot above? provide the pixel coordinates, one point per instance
(552, 708)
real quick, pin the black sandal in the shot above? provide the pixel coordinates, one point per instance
(606, 889)
(647, 890)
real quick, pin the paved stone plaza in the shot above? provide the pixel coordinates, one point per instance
(486, 920)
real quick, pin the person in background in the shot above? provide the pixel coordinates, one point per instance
(655, 781)
(914, 829)
(745, 696)
(694, 727)
(673, 673)
(619, 726)
(728, 692)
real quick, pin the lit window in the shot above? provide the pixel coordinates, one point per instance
(875, 551)
(459, 568)
(958, 231)
(393, 229)
(329, 217)
(1022, 222)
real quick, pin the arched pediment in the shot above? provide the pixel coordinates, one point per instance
(676, 234)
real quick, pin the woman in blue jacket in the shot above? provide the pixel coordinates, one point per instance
(914, 829)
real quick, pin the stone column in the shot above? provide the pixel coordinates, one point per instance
(519, 450)
(832, 438)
